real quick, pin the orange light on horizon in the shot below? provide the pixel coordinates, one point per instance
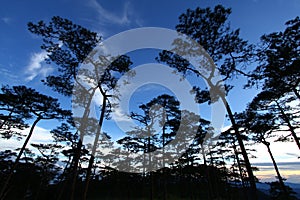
(269, 175)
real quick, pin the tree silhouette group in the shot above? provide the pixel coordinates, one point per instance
(66, 167)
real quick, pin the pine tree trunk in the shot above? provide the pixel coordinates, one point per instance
(242, 146)
(239, 165)
(276, 168)
(210, 190)
(62, 189)
(75, 168)
(79, 144)
(203, 155)
(7, 181)
(287, 120)
(163, 155)
(296, 93)
(245, 195)
(88, 176)
(96, 140)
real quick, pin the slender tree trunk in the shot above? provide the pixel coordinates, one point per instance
(144, 169)
(62, 189)
(75, 168)
(236, 130)
(276, 168)
(88, 176)
(240, 171)
(296, 93)
(79, 144)
(287, 120)
(96, 140)
(224, 167)
(239, 165)
(210, 191)
(212, 179)
(7, 181)
(163, 149)
(203, 154)
(150, 166)
(242, 146)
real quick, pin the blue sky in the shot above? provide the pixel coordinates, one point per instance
(21, 59)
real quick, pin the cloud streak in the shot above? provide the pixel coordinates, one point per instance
(6, 20)
(36, 67)
(9, 74)
(40, 135)
(125, 17)
(110, 17)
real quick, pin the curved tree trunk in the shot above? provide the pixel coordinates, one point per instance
(62, 189)
(208, 176)
(296, 93)
(79, 144)
(92, 158)
(239, 165)
(7, 181)
(242, 146)
(237, 134)
(287, 120)
(75, 168)
(276, 168)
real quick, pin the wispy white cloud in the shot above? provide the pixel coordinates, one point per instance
(127, 16)
(6, 20)
(111, 17)
(40, 135)
(120, 116)
(7, 73)
(36, 66)
(282, 151)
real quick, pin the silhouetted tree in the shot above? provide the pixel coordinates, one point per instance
(212, 31)
(68, 45)
(278, 71)
(261, 127)
(277, 193)
(152, 118)
(13, 114)
(279, 61)
(228, 138)
(48, 166)
(270, 101)
(38, 106)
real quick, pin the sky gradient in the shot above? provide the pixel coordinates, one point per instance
(22, 60)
